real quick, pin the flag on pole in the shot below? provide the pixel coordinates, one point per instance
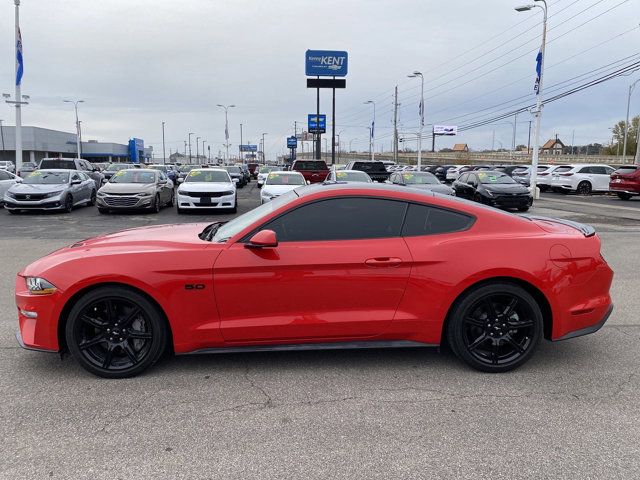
(226, 132)
(20, 68)
(536, 87)
(373, 124)
(421, 112)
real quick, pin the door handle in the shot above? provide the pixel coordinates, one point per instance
(381, 262)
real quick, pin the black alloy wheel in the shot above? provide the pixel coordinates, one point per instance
(156, 204)
(495, 328)
(115, 332)
(584, 188)
(68, 204)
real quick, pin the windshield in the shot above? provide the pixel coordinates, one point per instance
(422, 178)
(209, 176)
(133, 176)
(162, 168)
(267, 169)
(117, 166)
(44, 177)
(285, 179)
(186, 168)
(369, 166)
(68, 164)
(238, 224)
(310, 165)
(494, 178)
(353, 177)
(232, 169)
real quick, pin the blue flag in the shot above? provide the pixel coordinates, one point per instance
(373, 124)
(536, 87)
(20, 69)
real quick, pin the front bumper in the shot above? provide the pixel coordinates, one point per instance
(39, 333)
(124, 202)
(185, 202)
(54, 203)
(510, 201)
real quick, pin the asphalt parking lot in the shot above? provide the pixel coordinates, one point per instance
(571, 412)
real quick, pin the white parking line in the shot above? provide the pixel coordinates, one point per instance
(584, 204)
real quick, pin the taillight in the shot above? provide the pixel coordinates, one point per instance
(566, 174)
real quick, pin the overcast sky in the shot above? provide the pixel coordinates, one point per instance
(137, 63)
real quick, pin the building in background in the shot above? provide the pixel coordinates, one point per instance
(38, 143)
(552, 147)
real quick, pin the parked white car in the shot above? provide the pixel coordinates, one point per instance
(544, 178)
(278, 183)
(210, 188)
(263, 172)
(455, 172)
(8, 166)
(581, 178)
(522, 174)
(7, 180)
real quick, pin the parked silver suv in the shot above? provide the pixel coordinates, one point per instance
(136, 188)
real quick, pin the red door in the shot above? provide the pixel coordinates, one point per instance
(310, 290)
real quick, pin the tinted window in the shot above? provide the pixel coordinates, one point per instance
(310, 165)
(340, 219)
(58, 163)
(599, 170)
(423, 220)
(463, 178)
(585, 170)
(626, 170)
(369, 166)
(5, 175)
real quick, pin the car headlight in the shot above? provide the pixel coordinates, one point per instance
(53, 194)
(143, 194)
(10, 195)
(39, 286)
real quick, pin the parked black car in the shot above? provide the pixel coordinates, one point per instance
(493, 188)
(441, 172)
(376, 170)
(421, 180)
(236, 172)
(245, 170)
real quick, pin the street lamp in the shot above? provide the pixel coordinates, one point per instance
(373, 131)
(350, 150)
(416, 74)
(626, 125)
(204, 154)
(164, 155)
(75, 104)
(538, 112)
(263, 156)
(190, 133)
(226, 126)
(198, 150)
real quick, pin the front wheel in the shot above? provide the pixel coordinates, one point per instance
(115, 332)
(92, 199)
(624, 196)
(495, 328)
(235, 206)
(584, 188)
(156, 204)
(523, 209)
(68, 204)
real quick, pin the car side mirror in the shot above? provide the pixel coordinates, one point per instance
(180, 180)
(104, 180)
(263, 239)
(308, 182)
(236, 180)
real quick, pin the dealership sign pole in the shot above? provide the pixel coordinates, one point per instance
(442, 131)
(325, 63)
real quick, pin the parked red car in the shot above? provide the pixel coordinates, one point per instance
(625, 181)
(313, 171)
(328, 266)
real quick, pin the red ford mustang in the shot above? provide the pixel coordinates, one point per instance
(325, 266)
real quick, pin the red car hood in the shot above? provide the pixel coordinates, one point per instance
(164, 238)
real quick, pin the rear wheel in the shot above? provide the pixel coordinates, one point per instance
(115, 332)
(495, 328)
(584, 188)
(624, 196)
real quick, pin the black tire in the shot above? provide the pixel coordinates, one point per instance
(235, 206)
(92, 199)
(478, 198)
(172, 200)
(624, 196)
(584, 188)
(155, 208)
(68, 204)
(543, 188)
(523, 209)
(115, 332)
(13, 212)
(179, 210)
(495, 328)
(104, 211)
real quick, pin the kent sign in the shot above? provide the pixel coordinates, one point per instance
(326, 63)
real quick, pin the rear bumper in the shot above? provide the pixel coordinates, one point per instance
(587, 330)
(616, 188)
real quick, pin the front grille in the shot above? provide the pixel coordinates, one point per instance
(206, 194)
(121, 201)
(30, 196)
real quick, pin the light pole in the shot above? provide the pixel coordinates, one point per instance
(19, 98)
(164, 155)
(198, 150)
(75, 104)
(538, 113)
(190, 161)
(350, 144)
(373, 129)
(2, 136)
(414, 75)
(203, 150)
(226, 127)
(626, 124)
(263, 156)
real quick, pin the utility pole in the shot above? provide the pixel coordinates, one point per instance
(185, 148)
(226, 127)
(626, 124)
(197, 150)
(421, 112)
(240, 146)
(190, 160)
(164, 155)
(373, 130)
(573, 140)
(18, 100)
(395, 126)
(493, 140)
(529, 141)
(78, 134)
(2, 135)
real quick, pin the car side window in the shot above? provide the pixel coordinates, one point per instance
(586, 170)
(75, 176)
(599, 170)
(425, 220)
(472, 180)
(463, 178)
(340, 219)
(162, 176)
(609, 170)
(4, 175)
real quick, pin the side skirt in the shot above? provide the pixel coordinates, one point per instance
(313, 346)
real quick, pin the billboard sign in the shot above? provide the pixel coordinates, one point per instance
(248, 148)
(315, 126)
(292, 142)
(445, 130)
(326, 63)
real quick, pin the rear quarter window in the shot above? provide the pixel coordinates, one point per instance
(67, 164)
(427, 220)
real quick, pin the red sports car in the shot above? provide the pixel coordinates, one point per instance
(325, 266)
